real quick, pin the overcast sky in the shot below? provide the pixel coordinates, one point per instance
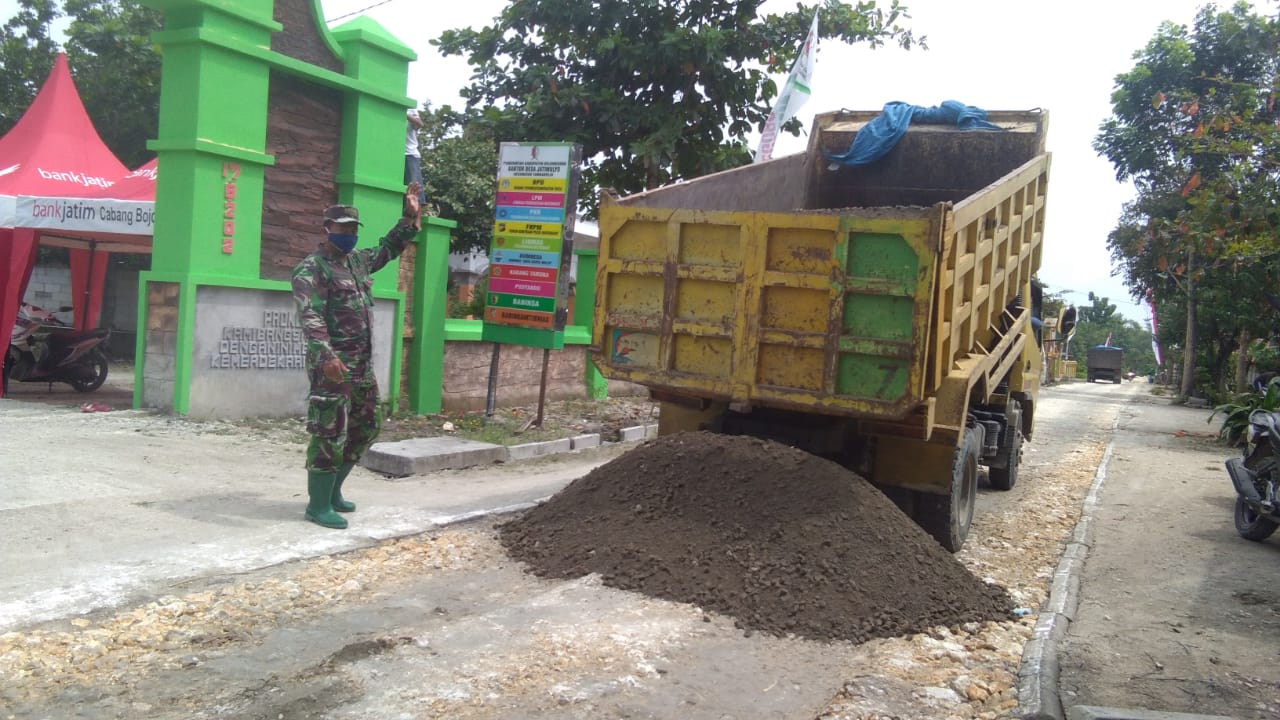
(995, 54)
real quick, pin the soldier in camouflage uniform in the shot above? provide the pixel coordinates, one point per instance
(332, 288)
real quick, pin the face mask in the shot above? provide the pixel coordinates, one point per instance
(343, 241)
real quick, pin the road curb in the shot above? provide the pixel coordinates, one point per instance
(1092, 712)
(406, 458)
(1038, 673)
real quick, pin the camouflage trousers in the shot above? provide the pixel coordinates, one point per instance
(342, 418)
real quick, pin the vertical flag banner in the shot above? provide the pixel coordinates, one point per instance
(1155, 329)
(793, 95)
(532, 244)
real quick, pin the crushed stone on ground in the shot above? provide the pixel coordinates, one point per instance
(781, 540)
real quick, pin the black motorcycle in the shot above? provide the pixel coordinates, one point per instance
(1256, 476)
(43, 348)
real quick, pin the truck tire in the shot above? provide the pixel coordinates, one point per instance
(948, 517)
(1006, 476)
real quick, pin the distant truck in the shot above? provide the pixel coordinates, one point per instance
(1104, 362)
(878, 315)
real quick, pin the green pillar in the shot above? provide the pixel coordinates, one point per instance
(430, 283)
(219, 59)
(583, 314)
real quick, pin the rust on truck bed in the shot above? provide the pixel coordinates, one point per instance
(867, 292)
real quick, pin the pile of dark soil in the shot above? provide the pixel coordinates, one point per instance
(781, 540)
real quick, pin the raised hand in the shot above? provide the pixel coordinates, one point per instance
(412, 209)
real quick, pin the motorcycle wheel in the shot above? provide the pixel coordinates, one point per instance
(1250, 524)
(89, 383)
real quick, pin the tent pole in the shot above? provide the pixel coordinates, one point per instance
(88, 287)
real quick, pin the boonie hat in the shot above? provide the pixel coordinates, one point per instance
(342, 214)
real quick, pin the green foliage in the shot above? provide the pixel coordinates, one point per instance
(1265, 355)
(1196, 126)
(473, 308)
(1235, 414)
(459, 165)
(1100, 311)
(654, 91)
(115, 67)
(117, 71)
(26, 56)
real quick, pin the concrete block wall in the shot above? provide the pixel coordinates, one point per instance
(466, 375)
(120, 307)
(50, 288)
(161, 345)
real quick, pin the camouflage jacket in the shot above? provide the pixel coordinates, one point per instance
(334, 295)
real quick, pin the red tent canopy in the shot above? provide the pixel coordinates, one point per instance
(54, 151)
(138, 185)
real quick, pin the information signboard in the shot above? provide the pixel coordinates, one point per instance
(532, 242)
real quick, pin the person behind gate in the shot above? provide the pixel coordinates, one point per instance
(333, 290)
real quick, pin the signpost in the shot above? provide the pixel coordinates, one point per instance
(527, 302)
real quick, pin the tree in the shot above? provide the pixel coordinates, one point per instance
(458, 162)
(654, 91)
(116, 69)
(26, 56)
(1100, 311)
(1194, 126)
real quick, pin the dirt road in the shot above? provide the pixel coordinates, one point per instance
(269, 619)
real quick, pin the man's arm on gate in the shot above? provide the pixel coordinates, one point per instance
(392, 244)
(311, 297)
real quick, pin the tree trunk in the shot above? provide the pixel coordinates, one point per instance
(1189, 346)
(1242, 361)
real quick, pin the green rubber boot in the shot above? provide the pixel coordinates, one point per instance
(320, 504)
(339, 503)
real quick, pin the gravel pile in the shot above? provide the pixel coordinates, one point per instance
(781, 540)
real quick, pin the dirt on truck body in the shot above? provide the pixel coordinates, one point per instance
(878, 315)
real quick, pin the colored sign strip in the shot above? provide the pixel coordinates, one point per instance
(522, 287)
(529, 199)
(534, 259)
(506, 316)
(519, 272)
(522, 302)
(529, 229)
(532, 244)
(531, 214)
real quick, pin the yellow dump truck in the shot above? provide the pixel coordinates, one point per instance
(880, 315)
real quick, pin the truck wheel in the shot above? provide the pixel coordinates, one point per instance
(1250, 524)
(1004, 478)
(948, 517)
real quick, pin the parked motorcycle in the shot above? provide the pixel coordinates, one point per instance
(43, 348)
(1256, 476)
